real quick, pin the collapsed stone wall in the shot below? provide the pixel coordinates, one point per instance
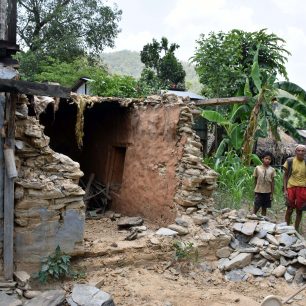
(196, 180)
(49, 207)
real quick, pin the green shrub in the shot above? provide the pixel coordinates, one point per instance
(56, 266)
(185, 251)
(236, 182)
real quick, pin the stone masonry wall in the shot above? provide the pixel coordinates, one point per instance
(49, 208)
(196, 181)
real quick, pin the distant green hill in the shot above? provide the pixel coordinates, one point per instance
(127, 62)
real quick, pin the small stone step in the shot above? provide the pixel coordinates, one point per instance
(7, 284)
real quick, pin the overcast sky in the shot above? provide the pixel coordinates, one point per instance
(182, 22)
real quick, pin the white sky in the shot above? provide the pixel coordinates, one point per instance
(182, 22)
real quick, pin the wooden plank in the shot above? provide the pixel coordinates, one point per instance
(8, 237)
(35, 89)
(221, 101)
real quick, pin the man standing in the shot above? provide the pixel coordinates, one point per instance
(295, 185)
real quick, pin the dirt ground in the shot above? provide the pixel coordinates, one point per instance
(143, 272)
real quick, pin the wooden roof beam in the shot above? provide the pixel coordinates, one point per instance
(222, 101)
(35, 89)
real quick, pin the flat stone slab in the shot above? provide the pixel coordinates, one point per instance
(258, 242)
(236, 276)
(286, 240)
(237, 226)
(302, 260)
(21, 277)
(289, 229)
(272, 239)
(9, 300)
(48, 298)
(253, 270)
(181, 230)
(166, 232)
(266, 226)
(127, 222)
(302, 253)
(248, 228)
(240, 261)
(86, 295)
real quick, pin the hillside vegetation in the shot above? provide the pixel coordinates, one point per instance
(127, 62)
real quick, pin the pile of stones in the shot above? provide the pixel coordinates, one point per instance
(244, 244)
(263, 248)
(19, 293)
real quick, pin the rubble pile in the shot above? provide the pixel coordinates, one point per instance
(244, 244)
(19, 292)
(262, 248)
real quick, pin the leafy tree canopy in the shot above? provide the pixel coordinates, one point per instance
(66, 29)
(159, 60)
(67, 73)
(224, 60)
(55, 70)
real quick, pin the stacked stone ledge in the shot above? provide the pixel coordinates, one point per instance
(197, 181)
(49, 207)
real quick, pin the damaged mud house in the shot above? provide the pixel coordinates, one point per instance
(143, 156)
(144, 151)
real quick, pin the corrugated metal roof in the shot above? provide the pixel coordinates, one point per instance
(191, 95)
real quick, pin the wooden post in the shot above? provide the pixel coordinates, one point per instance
(2, 106)
(12, 21)
(8, 237)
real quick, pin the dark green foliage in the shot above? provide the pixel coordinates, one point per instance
(159, 59)
(115, 86)
(149, 83)
(67, 29)
(127, 62)
(54, 70)
(224, 60)
(56, 266)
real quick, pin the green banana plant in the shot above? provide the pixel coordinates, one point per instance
(233, 130)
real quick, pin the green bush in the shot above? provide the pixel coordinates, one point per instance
(185, 251)
(56, 266)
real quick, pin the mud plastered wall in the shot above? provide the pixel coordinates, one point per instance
(163, 169)
(49, 208)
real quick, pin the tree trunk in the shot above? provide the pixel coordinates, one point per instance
(249, 134)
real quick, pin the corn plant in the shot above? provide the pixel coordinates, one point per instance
(236, 182)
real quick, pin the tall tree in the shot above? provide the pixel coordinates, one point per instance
(224, 60)
(161, 64)
(65, 29)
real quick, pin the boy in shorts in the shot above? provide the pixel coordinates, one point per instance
(264, 184)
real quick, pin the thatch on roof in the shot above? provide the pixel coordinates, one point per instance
(280, 149)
